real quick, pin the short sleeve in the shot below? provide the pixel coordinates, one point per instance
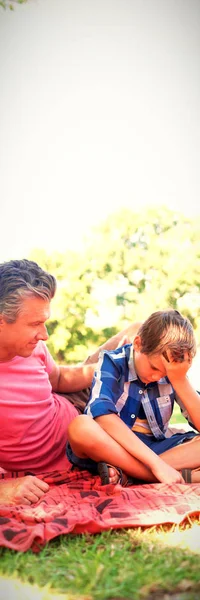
(107, 386)
(44, 355)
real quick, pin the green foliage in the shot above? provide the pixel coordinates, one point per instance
(133, 264)
(69, 334)
(155, 259)
(10, 4)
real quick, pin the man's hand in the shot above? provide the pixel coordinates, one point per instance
(123, 341)
(176, 370)
(126, 336)
(24, 490)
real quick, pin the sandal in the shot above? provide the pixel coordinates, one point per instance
(187, 475)
(123, 479)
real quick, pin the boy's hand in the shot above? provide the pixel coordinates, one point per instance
(176, 370)
(167, 474)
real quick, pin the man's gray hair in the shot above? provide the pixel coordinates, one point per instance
(20, 279)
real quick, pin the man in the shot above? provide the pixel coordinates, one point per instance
(34, 415)
(125, 426)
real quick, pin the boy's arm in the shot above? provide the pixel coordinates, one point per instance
(177, 374)
(125, 437)
(189, 398)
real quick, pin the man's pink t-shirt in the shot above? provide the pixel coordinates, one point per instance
(33, 419)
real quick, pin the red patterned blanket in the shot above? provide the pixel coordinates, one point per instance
(77, 503)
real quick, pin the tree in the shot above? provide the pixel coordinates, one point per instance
(133, 264)
(69, 333)
(153, 257)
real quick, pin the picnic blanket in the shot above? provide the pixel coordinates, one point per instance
(77, 503)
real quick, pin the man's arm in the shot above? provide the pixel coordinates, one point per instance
(75, 378)
(125, 336)
(71, 379)
(177, 374)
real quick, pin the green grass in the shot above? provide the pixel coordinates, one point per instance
(126, 564)
(151, 564)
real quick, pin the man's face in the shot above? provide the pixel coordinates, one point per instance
(20, 338)
(148, 367)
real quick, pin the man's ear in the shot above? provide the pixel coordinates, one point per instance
(2, 321)
(137, 343)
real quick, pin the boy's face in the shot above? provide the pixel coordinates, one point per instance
(148, 368)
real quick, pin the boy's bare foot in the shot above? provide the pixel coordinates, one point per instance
(195, 475)
(114, 476)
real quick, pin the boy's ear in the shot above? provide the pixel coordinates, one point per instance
(137, 343)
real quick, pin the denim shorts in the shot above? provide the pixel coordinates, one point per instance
(158, 446)
(85, 464)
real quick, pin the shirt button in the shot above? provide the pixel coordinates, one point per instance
(132, 416)
(140, 391)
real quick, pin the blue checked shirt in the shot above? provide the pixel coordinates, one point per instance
(117, 389)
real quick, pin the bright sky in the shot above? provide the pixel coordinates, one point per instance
(99, 109)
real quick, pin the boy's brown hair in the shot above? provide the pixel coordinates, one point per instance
(167, 330)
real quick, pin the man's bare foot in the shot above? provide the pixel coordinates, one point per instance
(24, 490)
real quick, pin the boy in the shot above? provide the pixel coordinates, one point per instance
(124, 430)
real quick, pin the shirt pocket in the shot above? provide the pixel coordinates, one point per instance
(165, 407)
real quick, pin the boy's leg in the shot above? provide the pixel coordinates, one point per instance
(185, 456)
(88, 439)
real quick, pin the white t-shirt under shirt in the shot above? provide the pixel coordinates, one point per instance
(33, 419)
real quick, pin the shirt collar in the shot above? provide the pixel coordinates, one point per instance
(132, 375)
